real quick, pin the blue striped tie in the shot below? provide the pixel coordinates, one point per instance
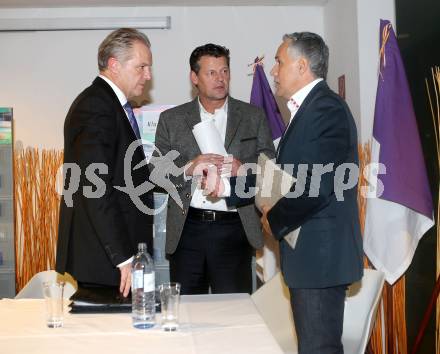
(132, 119)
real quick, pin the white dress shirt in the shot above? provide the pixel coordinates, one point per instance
(220, 118)
(298, 98)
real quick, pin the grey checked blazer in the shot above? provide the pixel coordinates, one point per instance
(247, 135)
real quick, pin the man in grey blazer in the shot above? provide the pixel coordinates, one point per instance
(209, 245)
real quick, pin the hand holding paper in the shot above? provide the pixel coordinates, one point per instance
(199, 166)
(211, 143)
(231, 167)
(212, 183)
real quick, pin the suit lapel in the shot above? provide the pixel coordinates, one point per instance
(299, 115)
(122, 114)
(192, 118)
(233, 121)
(193, 114)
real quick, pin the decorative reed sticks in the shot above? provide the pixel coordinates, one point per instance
(391, 313)
(36, 211)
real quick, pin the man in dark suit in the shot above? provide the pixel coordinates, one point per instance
(328, 252)
(321, 138)
(208, 244)
(100, 226)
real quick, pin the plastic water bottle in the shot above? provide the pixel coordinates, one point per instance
(142, 289)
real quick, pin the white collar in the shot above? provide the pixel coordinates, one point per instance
(299, 96)
(121, 97)
(223, 108)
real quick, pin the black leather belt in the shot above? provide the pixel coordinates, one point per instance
(211, 215)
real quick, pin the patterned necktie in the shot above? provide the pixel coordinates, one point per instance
(294, 106)
(132, 119)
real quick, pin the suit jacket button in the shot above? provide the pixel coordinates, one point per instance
(187, 195)
(183, 212)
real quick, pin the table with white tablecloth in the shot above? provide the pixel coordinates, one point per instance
(228, 323)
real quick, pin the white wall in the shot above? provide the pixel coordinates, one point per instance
(340, 26)
(352, 33)
(42, 72)
(369, 14)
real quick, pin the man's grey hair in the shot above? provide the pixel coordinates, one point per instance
(312, 47)
(118, 45)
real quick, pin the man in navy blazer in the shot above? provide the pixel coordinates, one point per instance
(100, 226)
(319, 148)
(321, 136)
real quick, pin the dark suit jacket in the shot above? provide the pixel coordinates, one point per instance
(328, 251)
(247, 134)
(329, 248)
(97, 234)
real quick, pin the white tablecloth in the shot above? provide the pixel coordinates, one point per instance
(209, 324)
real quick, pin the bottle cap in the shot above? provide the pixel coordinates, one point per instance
(142, 247)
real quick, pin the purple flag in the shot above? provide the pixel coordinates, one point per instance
(398, 217)
(262, 96)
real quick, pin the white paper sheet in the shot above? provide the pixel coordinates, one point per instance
(208, 138)
(272, 184)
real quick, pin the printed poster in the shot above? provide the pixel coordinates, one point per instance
(147, 118)
(5, 126)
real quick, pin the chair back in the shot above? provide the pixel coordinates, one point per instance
(34, 288)
(273, 303)
(361, 305)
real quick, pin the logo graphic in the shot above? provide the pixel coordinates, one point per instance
(164, 173)
(163, 168)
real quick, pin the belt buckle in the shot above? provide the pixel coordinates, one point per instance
(209, 215)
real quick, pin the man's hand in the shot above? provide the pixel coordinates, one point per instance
(212, 184)
(264, 222)
(230, 166)
(125, 285)
(201, 163)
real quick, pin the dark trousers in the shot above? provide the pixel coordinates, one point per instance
(212, 254)
(319, 315)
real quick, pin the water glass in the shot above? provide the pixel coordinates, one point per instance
(53, 295)
(169, 301)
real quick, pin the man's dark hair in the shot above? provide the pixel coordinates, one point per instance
(212, 50)
(311, 46)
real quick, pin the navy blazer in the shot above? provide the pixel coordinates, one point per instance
(329, 247)
(329, 250)
(97, 234)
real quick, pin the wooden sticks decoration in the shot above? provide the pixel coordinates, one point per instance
(392, 304)
(36, 210)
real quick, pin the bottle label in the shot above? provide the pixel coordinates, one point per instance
(137, 279)
(149, 284)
